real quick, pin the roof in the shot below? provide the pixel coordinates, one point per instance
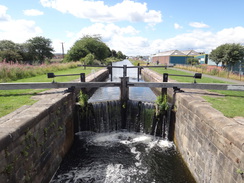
(169, 53)
(190, 52)
(177, 53)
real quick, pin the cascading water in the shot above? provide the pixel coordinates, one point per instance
(106, 116)
(105, 153)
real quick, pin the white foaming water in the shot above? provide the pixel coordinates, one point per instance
(126, 138)
(120, 157)
(117, 172)
(95, 171)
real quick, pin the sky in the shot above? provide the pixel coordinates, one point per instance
(135, 27)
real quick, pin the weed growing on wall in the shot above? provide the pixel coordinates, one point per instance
(83, 99)
(241, 172)
(161, 104)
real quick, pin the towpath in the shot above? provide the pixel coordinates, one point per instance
(214, 77)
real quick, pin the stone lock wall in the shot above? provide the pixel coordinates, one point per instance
(34, 139)
(211, 144)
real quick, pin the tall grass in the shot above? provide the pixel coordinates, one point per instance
(14, 71)
(211, 71)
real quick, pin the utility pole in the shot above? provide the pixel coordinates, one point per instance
(62, 49)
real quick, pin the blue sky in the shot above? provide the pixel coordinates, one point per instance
(135, 27)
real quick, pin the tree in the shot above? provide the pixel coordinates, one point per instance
(217, 55)
(40, 48)
(192, 61)
(88, 60)
(10, 56)
(114, 53)
(9, 51)
(7, 45)
(228, 54)
(24, 52)
(121, 55)
(234, 53)
(77, 52)
(86, 45)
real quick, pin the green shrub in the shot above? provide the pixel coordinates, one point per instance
(214, 72)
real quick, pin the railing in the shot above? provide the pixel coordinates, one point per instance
(208, 86)
(125, 67)
(124, 84)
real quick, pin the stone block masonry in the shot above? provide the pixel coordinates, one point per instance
(211, 144)
(34, 139)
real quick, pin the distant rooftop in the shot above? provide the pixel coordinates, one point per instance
(178, 53)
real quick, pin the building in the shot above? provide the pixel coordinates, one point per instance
(203, 58)
(177, 57)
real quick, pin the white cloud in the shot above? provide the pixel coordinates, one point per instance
(198, 25)
(177, 26)
(130, 45)
(33, 12)
(231, 35)
(126, 39)
(16, 30)
(186, 41)
(97, 11)
(3, 13)
(200, 40)
(123, 39)
(107, 31)
(19, 30)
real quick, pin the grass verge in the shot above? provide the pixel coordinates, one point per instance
(10, 100)
(230, 103)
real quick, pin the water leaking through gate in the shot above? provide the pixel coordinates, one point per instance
(105, 153)
(106, 116)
